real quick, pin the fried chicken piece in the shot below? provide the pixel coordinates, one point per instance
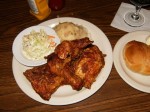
(88, 66)
(72, 48)
(71, 78)
(76, 63)
(43, 81)
(80, 67)
(62, 68)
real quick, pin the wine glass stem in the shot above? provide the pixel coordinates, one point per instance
(135, 16)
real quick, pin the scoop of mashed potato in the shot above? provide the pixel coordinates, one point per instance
(70, 31)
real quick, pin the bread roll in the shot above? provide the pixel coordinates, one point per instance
(137, 57)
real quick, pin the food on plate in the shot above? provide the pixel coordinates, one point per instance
(148, 40)
(77, 65)
(71, 48)
(78, 57)
(137, 57)
(43, 82)
(70, 31)
(36, 45)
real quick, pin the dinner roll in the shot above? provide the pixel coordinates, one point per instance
(137, 57)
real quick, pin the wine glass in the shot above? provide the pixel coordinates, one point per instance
(136, 19)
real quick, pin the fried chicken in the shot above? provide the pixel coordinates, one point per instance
(76, 63)
(63, 68)
(89, 64)
(43, 82)
(71, 48)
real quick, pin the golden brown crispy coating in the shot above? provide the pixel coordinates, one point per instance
(43, 82)
(63, 68)
(72, 48)
(88, 66)
(76, 63)
(137, 57)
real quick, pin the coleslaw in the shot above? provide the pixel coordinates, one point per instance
(37, 45)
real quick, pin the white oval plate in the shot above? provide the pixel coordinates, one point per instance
(137, 81)
(17, 45)
(65, 95)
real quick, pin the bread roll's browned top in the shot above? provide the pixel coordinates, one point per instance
(137, 57)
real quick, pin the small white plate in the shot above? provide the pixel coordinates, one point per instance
(17, 45)
(65, 95)
(137, 81)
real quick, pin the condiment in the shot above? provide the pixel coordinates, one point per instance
(56, 4)
(39, 8)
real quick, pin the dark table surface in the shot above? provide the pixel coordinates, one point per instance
(114, 96)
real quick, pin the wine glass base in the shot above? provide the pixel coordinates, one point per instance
(132, 22)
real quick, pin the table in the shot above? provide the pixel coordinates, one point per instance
(114, 96)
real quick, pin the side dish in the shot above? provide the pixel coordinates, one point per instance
(70, 31)
(137, 57)
(36, 45)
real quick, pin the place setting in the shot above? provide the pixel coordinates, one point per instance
(75, 55)
(25, 49)
(35, 51)
(131, 52)
(32, 56)
(132, 17)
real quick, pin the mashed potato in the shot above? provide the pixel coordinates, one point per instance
(70, 31)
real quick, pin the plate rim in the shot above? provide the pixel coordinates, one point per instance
(87, 92)
(117, 52)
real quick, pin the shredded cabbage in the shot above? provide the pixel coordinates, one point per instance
(36, 45)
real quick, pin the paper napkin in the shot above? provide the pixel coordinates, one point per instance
(119, 23)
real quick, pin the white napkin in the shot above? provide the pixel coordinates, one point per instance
(118, 21)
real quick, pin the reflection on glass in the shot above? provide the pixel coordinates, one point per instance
(136, 19)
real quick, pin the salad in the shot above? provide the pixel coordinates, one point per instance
(37, 45)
